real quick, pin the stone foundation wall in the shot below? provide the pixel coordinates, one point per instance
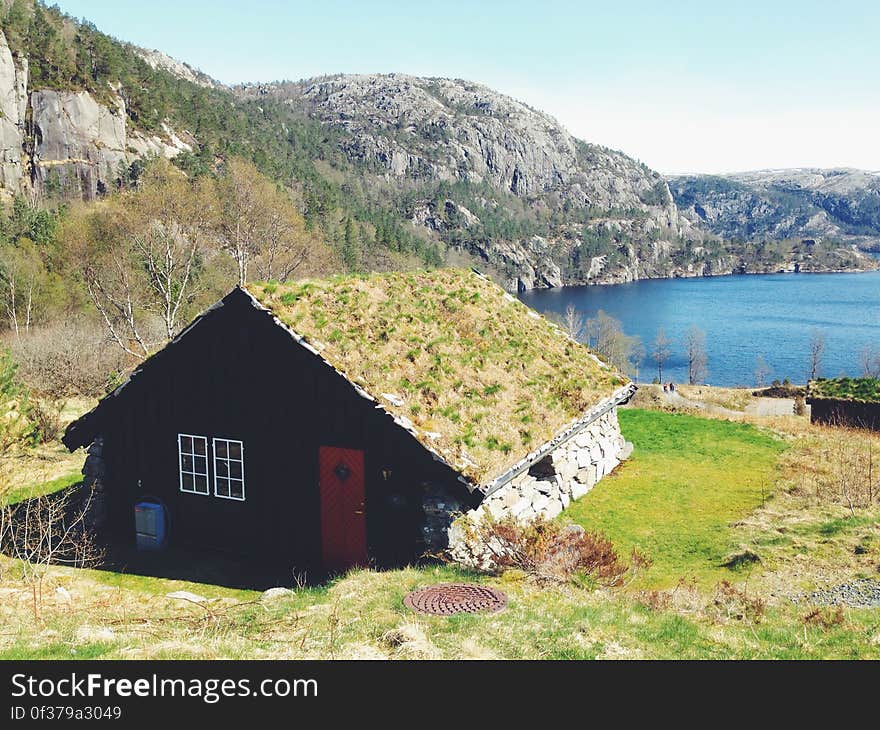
(94, 470)
(441, 507)
(565, 474)
(546, 489)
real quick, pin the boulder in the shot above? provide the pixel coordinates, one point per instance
(273, 594)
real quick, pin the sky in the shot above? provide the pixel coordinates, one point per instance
(682, 86)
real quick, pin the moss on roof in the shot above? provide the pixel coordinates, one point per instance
(484, 379)
(866, 390)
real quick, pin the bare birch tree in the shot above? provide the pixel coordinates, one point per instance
(259, 224)
(661, 351)
(141, 254)
(817, 352)
(869, 360)
(698, 360)
(573, 322)
(612, 344)
(21, 272)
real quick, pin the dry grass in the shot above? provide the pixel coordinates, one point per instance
(29, 470)
(361, 616)
(23, 469)
(735, 399)
(488, 377)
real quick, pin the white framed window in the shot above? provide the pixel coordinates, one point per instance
(229, 469)
(192, 452)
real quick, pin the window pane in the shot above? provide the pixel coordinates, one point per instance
(235, 450)
(201, 483)
(221, 468)
(201, 446)
(220, 448)
(222, 486)
(186, 444)
(186, 462)
(201, 465)
(186, 483)
(237, 489)
(235, 469)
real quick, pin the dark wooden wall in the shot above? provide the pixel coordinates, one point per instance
(845, 413)
(236, 374)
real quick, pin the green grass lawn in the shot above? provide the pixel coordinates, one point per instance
(688, 480)
(28, 491)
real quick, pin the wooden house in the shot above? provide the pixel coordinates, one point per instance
(325, 424)
(853, 402)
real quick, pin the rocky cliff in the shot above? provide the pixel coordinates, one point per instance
(66, 142)
(835, 204)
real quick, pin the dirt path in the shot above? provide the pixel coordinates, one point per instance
(772, 407)
(675, 399)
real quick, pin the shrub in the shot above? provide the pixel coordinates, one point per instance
(683, 598)
(730, 602)
(825, 618)
(545, 550)
(45, 416)
(15, 425)
(66, 359)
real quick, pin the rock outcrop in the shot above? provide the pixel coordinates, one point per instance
(158, 60)
(66, 142)
(13, 105)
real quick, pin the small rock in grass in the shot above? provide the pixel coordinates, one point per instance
(187, 596)
(275, 593)
(94, 633)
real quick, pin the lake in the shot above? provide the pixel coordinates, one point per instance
(768, 315)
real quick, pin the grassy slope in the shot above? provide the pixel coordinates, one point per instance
(688, 480)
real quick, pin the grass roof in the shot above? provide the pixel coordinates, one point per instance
(859, 389)
(484, 379)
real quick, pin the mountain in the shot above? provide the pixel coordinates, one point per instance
(406, 170)
(496, 178)
(837, 204)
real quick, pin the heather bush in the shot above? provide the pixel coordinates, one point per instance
(545, 550)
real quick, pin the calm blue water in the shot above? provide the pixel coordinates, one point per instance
(743, 317)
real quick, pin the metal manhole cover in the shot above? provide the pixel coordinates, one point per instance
(447, 599)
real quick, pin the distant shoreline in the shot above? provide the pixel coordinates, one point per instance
(702, 276)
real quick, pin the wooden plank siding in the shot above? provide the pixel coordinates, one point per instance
(840, 412)
(237, 375)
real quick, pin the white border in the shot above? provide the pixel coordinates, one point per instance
(228, 461)
(194, 474)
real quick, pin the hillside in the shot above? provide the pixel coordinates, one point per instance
(835, 204)
(428, 170)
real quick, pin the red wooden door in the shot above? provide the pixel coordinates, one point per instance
(343, 522)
